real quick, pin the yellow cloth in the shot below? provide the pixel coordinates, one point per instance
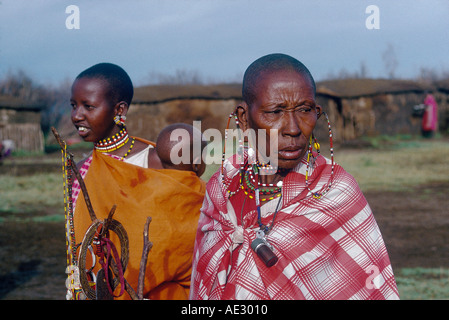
(172, 198)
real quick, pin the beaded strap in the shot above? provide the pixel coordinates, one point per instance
(73, 288)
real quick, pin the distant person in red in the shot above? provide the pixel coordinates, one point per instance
(430, 118)
(6, 148)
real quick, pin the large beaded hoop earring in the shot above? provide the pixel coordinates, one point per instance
(240, 153)
(311, 159)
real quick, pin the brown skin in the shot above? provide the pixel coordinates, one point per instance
(154, 161)
(164, 147)
(285, 101)
(92, 110)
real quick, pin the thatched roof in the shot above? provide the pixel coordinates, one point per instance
(351, 88)
(443, 85)
(344, 88)
(162, 93)
(10, 102)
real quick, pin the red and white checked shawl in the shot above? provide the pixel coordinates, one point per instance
(328, 248)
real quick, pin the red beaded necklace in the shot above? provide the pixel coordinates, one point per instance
(115, 142)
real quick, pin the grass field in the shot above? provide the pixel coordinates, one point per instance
(423, 283)
(395, 165)
(398, 165)
(30, 193)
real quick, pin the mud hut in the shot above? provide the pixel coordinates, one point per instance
(154, 107)
(370, 107)
(20, 121)
(356, 107)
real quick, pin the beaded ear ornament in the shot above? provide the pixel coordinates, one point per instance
(240, 155)
(250, 168)
(120, 120)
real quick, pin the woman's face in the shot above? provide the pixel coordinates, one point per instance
(92, 113)
(285, 101)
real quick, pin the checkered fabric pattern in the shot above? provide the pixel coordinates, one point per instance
(328, 248)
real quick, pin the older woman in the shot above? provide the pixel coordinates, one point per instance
(301, 230)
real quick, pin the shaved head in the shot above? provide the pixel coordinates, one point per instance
(119, 84)
(269, 64)
(164, 144)
(188, 136)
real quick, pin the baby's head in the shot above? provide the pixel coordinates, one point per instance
(175, 147)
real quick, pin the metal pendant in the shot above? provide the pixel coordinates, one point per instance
(264, 249)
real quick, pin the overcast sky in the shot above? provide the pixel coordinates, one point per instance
(220, 38)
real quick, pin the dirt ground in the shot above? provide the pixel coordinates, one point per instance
(414, 224)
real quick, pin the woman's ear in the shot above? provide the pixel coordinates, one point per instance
(121, 108)
(242, 115)
(319, 111)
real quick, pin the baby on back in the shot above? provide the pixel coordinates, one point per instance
(175, 149)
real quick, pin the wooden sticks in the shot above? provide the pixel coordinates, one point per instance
(147, 244)
(63, 145)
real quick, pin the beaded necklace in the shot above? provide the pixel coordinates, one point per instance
(130, 148)
(113, 143)
(266, 168)
(251, 185)
(250, 181)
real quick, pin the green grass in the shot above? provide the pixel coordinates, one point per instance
(398, 166)
(392, 164)
(423, 283)
(34, 193)
(30, 218)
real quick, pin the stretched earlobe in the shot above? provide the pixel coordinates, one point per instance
(242, 115)
(121, 108)
(319, 111)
